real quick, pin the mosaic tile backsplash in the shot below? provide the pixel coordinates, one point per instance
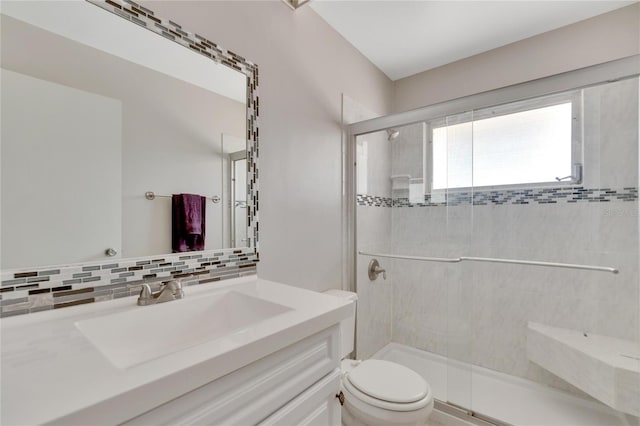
(30, 291)
(577, 194)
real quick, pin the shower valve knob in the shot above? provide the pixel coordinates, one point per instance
(375, 270)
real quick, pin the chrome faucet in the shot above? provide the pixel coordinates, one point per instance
(169, 291)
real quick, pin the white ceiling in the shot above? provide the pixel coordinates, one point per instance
(403, 38)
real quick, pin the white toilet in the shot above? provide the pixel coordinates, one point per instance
(376, 392)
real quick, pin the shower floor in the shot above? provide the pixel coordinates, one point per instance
(510, 399)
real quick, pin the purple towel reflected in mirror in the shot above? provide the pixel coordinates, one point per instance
(188, 222)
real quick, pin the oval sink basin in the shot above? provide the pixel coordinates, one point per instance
(145, 333)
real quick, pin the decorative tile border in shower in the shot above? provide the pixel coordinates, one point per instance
(38, 289)
(145, 17)
(576, 194)
(374, 201)
(553, 195)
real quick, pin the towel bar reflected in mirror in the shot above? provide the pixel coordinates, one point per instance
(150, 195)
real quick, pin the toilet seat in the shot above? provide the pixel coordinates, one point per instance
(388, 386)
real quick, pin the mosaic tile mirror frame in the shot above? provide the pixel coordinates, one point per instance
(29, 290)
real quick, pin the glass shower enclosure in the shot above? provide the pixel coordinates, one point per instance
(507, 223)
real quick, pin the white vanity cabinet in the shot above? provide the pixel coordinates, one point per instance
(316, 406)
(295, 385)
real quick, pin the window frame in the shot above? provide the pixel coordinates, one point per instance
(577, 139)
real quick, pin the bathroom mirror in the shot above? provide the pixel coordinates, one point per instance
(103, 120)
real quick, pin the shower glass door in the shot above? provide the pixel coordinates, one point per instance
(552, 179)
(431, 217)
(450, 194)
(373, 235)
(413, 200)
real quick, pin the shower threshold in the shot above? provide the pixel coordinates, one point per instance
(505, 398)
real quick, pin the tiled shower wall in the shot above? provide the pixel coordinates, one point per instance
(478, 312)
(374, 306)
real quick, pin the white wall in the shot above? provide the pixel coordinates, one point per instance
(61, 173)
(304, 67)
(600, 39)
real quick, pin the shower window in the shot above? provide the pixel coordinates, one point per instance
(528, 143)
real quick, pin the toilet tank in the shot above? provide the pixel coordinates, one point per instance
(347, 325)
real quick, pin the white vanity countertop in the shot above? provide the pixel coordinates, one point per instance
(51, 373)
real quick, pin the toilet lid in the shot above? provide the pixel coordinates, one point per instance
(388, 381)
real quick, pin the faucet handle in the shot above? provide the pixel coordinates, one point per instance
(175, 286)
(145, 295)
(384, 272)
(170, 290)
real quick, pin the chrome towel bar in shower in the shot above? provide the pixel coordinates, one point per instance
(493, 260)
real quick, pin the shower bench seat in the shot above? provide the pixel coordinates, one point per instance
(604, 367)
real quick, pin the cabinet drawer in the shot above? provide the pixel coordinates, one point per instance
(250, 394)
(317, 406)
